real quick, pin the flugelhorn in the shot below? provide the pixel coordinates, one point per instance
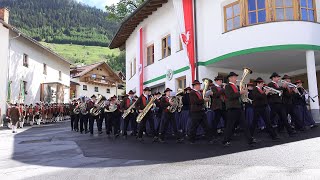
(243, 86)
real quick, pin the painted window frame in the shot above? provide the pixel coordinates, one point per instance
(183, 81)
(233, 17)
(150, 54)
(96, 89)
(166, 50)
(85, 87)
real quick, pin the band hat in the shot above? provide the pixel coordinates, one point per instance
(299, 81)
(195, 82)
(218, 78)
(259, 80)
(146, 89)
(274, 75)
(250, 84)
(158, 93)
(131, 92)
(93, 96)
(167, 89)
(187, 89)
(286, 77)
(232, 74)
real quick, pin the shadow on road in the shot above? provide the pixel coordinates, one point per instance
(53, 144)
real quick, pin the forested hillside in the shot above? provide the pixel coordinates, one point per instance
(61, 21)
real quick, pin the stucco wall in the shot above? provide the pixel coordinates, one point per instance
(33, 74)
(4, 53)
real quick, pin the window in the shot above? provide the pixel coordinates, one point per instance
(25, 60)
(150, 54)
(93, 76)
(182, 82)
(60, 75)
(166, 46)
(45, 69)
(232, 16)
(284, 10)
(85, 87)
(257, 12)
(96, 89)
(108, 91)
(25, 83)
(103, 77)
(130, 69)
(134, 67)
(307, 10)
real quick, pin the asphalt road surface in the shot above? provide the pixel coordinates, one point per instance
(53, 152)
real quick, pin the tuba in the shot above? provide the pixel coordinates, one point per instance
(206, 82)
(243, 86)
(179, 95)
(95, 111)
(83, 108)
(146, 109)
(173, 108)
(112, 107)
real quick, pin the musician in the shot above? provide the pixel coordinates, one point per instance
(168, 117)
(197, 113)
(76, 116)
(14, 116)
(84, 116)
(131, 117)
(141, 103)
(218, 103)
(260, 108)
(30, 115)
(185, 115)
(114, 117)
(234, 110)
(22, 112)
(289, 94)
(72, 114)
(276, 104)
(248, 105)
(90, 104)
(50, 113)
(37, 113)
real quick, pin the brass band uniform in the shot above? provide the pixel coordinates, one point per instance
(131, 117)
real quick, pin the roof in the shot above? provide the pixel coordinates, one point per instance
(87, 68)
(14, 29)
(132, 21)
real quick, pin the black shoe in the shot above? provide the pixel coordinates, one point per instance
(180, 140)
(116, 135)
(140, 139)
(81, 132)
(314, 126)
(161, 141)
(86, 132)
(100, 132)
(192, 142)
(210, 142)
(227, 144)
(155, 139)
(275, 138)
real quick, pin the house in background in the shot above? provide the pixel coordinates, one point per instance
(97, 78)
(29, 71)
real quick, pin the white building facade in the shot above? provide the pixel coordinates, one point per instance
(30, 72)
(264, 35)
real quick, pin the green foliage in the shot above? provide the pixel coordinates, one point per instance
(61, 21)
(117, 12)
(80, 54)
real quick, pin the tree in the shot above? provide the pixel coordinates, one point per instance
(118, 12)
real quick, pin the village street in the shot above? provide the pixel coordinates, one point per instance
(54, 152)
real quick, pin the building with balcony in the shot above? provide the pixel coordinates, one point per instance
(226, 35)
(94, 79)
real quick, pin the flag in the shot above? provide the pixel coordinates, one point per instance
(139, 61)
(184, 13)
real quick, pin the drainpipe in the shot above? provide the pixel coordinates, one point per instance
(195, 37)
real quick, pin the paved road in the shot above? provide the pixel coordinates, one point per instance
(54, 152)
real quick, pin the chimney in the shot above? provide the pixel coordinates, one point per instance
(4, 15)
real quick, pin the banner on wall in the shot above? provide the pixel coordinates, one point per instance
(139, 62)
(184, 12)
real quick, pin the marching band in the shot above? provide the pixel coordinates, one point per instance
(274, 107)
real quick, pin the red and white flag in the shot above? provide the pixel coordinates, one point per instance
(139, 61)
(184, 11)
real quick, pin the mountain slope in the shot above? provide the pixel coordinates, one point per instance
(61, 21)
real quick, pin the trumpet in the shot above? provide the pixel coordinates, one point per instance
(290, 85)
(272, 90)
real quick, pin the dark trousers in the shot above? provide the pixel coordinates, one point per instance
(199, 119)
(279, 109)
(218, 114)
(296, 116)
(233, 116)
(113, 120)
(132, 120)
(72, 117)
(83, 122)
(91, 123)
(262, 112)
(76, 122)
(167, 118)
(142, 125)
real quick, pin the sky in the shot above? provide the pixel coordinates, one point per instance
(99, 3)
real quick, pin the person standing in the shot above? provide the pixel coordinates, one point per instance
(14, 115)
(84, 116)
(72, 114)
(141, 103)
(168, 117)
(130, 118)
(91, 104)
(260, 108)
(235, 110)
(197, 113)
(113, 117)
